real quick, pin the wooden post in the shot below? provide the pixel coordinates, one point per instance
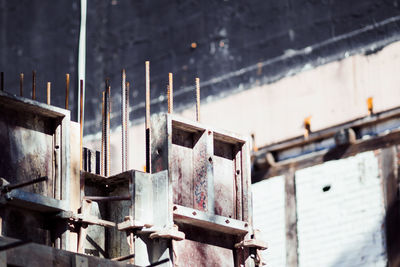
(291, 219)
(390, 177)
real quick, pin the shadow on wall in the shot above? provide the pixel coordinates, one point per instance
(392, 222)
(366, 252)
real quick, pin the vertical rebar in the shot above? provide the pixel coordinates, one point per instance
(123, 120)
(81, 123)
(127, 124)
(147, 124)
(170, 94)
(108, 110)
(102, 172)
(147, 94)
(66, 90)
(34, 85)
(197, 99)
(48, 92)
(21, 84)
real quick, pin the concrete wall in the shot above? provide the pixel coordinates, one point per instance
(340, 213)
(269, 217)
(331, 94)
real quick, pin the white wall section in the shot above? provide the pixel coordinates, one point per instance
(340, 213)
(269, 217)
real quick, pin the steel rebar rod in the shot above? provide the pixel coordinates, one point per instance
(34, 85)
(23, 184)
(66, 90)
(48, 92)
(127, 125)
(197, 99)
(102, 171)
(123, 121)
(147, 124)
(170, 94)
(21, 84)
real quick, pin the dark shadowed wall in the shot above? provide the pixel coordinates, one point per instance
(239, 44)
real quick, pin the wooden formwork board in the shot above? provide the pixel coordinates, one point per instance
(148, 206)
(209, 169)
(35, 142)
(16, 253)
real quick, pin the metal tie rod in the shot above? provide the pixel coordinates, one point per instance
(9, 187)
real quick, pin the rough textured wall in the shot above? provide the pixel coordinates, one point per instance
(269, 218)
(340, 209)
(40, 35)
(240, 44)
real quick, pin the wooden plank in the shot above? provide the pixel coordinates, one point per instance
(238, 184)
(117, 210)
(35, 202)
(224, 179)
(331, 131)
(202, 159)
(209, 221)
(161, 143)
(291, 220)
(75, 180)
(209, 136)
(35, 255)
(182, 169)
(246, 184)
(27, 149)
(192, 253)
(316, 158)
(17, 220)
(26, 105)
(3, 259)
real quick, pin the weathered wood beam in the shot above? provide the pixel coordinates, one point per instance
(316, 158)
(39, 255)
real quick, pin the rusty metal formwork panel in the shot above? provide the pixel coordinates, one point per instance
(209, 171)
(34, 138)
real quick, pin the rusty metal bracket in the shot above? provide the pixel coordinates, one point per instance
(255, 245)
(169, 232)
(130, 224)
